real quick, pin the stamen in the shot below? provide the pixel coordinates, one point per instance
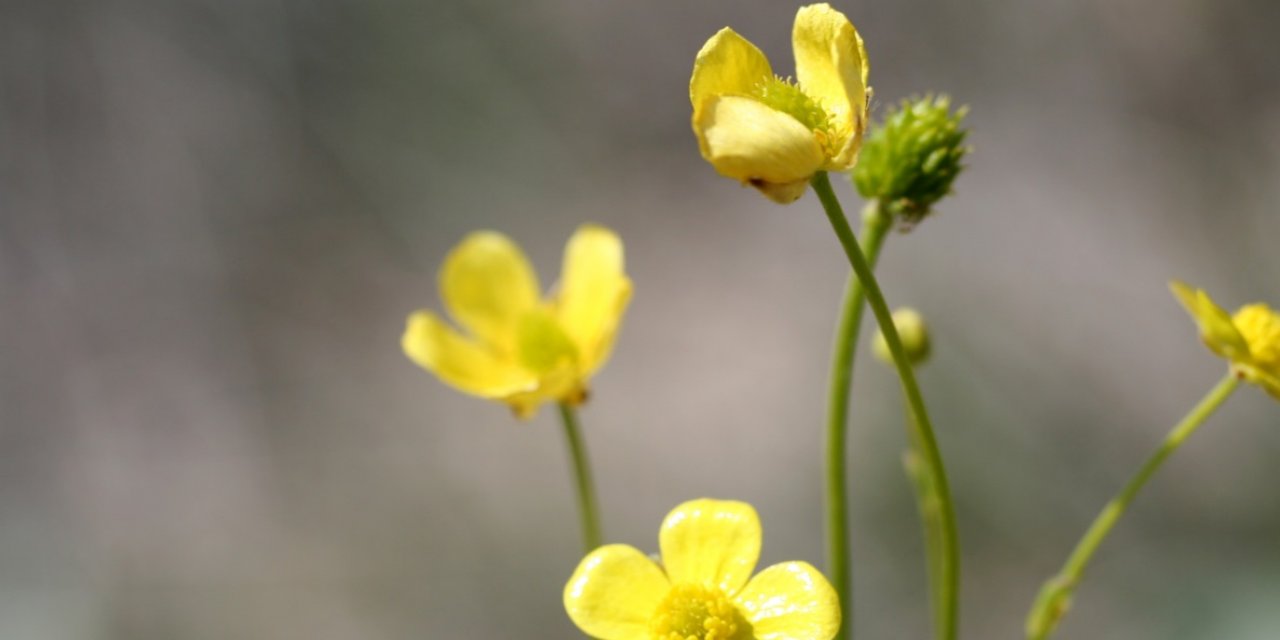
(695, 612)
(785, 96)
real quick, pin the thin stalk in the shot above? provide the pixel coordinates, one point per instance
(950, 584)
(1055, 595)
(875, 228)
(588, 513)
(930, 520)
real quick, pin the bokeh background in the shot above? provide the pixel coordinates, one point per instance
(215, 216)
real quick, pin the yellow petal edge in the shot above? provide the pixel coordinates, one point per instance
(715, 543)
(790, 600)
(460, 362)
(614, 592)
(727, 64)
(487, 285)
(831, 66)
(594, 292)
(756, 145)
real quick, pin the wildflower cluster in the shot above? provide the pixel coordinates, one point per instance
(516, 346)
(703, 587)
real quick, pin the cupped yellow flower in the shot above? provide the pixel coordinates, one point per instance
(1249, 339)
(774, 134)
(518, 348)
(703, 589)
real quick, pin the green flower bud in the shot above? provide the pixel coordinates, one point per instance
(909, 161)
(914, 334)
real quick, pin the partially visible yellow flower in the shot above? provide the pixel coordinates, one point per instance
(703, 589)
(1250, 339)
(518, 348)
(772, 133)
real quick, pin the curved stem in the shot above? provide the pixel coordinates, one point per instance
(875, 227)
(588, 513)
(950, 582)
(1055, 595)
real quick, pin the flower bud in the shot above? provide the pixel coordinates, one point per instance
(910, 160)
(914, 334)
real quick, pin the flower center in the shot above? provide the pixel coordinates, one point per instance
(695, 612)
(542, 344)
(1260, 327)
(785, 96)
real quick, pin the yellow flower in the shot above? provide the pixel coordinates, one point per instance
(1250, 339)
(518, 348)
(703, 589)
(772, 133)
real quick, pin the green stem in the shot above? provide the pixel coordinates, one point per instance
(587, 510)
(950, 584)
(875, 227)
(1055, 595)
(930, 519)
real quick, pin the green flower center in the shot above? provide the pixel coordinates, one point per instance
(785, 96)
(542, 344)
(695, 612)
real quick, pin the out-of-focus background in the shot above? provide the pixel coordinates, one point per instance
(215, 216)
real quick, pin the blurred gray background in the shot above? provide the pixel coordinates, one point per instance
(215, 216)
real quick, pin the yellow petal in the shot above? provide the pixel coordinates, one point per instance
(488, 286)
(831, 67)
(1259, 325)
(714, 543)
(790, 601)
(614, 592)
(748, 141)
(727, 65)
(461, 362)
(554, 387)
(593, 293)
(1260, 328)
(1216, 327)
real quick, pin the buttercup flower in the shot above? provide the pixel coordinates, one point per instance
(1250, 339)
(518, 348)
(703, 589)
(774, 134)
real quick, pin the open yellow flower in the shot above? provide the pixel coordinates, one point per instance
(1249, 340)
(521, 349)
(772, 133)
(703, 588)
